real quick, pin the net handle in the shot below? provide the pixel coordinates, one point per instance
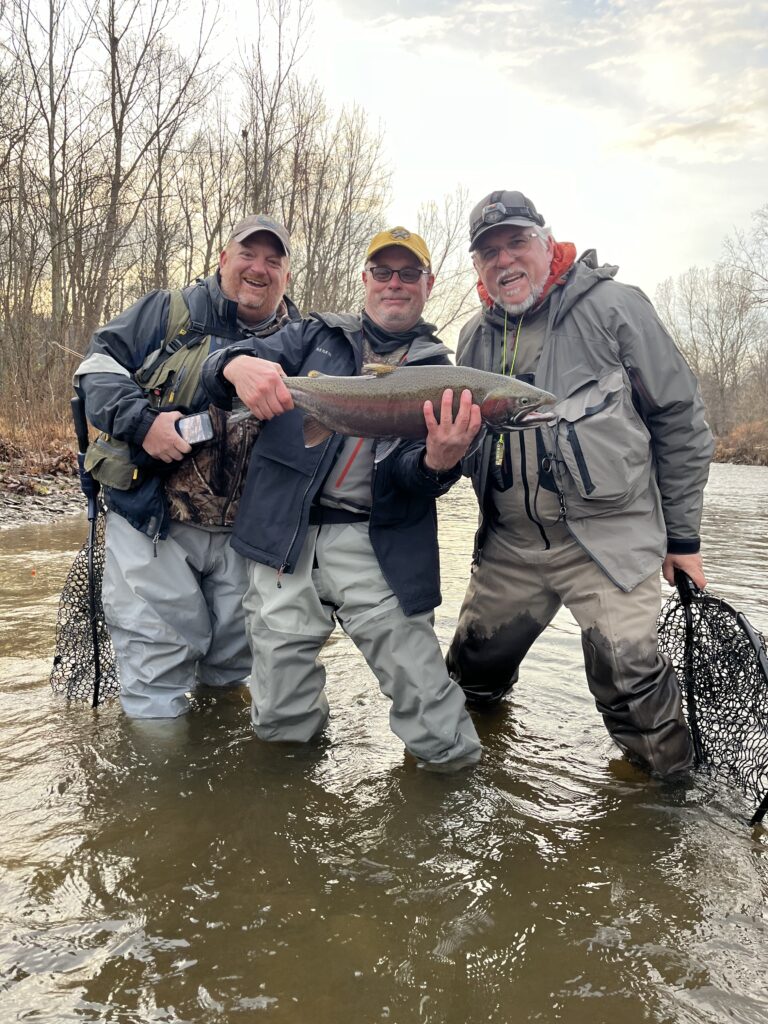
(687, 590)
(90, 489)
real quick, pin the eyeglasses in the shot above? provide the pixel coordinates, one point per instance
(493, 213)
(517, 246)
(408, 275)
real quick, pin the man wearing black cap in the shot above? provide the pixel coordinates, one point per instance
(583, 513)
(173, 586)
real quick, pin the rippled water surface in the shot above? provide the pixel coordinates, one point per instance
(185, 872)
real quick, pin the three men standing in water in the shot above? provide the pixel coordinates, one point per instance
(581, 514)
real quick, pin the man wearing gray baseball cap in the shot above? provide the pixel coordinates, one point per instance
(172, 470)
(582, 513)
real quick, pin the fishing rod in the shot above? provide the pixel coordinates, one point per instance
(722, 664)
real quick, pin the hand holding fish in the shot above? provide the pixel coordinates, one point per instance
(259, 385)
(448, 440)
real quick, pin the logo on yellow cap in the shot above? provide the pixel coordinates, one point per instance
(401, 236)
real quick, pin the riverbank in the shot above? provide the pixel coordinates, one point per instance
(41, 486)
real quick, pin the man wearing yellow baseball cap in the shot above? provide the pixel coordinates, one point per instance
(347, 539)
(404, 238)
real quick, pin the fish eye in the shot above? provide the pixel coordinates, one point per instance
(525, 401)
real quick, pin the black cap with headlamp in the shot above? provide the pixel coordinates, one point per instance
(501, 208)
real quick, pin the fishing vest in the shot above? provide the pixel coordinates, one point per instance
(205, 486)
(169, 377)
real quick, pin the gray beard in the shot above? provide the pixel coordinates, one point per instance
(517, 308)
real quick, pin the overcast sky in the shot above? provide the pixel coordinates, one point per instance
(637, 127)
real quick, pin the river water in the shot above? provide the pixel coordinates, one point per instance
(185, 872)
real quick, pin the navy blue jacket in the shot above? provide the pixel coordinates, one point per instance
(284, 477)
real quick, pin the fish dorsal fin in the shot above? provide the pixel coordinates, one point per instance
(314, 432)
(377, 369)
(316, 373)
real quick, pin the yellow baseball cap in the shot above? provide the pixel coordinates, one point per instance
(400, 236)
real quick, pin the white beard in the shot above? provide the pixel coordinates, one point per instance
(517, 308)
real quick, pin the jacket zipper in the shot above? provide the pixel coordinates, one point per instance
(230, 497)
(286, 564)
(581, 463)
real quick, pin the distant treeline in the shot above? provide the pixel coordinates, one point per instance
(719, 318)
(125, 158)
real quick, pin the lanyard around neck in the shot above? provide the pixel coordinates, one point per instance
(504, 346)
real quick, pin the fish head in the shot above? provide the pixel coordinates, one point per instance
(515, 405)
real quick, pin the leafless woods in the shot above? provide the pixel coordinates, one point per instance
(718, 316)
(128, 148)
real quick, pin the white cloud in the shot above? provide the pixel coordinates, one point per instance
(636, 127)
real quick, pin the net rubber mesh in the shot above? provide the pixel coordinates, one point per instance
(74, 664)
(722, 668)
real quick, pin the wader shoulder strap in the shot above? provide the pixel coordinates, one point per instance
(201, 321)
(179, 317)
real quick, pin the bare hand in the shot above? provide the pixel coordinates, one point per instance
(690, 564)
(448, 440)
(259, 384)
(163, 441)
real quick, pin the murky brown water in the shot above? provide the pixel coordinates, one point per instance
(184, 872)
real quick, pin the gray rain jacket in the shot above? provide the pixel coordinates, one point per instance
(630, 450)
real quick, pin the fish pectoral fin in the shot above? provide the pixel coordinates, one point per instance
(384, 447)
(377, 369)
(315, 432)
(478, 439)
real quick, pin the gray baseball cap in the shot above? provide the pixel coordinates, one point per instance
(260, 222)
(501, 208)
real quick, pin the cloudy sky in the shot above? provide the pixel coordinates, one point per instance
(637, 127)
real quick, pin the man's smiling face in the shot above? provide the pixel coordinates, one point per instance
(514, 280)
(254, 274)
(395, 305)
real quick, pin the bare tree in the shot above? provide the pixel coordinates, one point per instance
(715, 321)
(322, 175)
(748, 252)
(152, 95)
(444, 229)
(341, 205)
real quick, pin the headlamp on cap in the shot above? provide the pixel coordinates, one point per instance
(502, 207)
(495, 213)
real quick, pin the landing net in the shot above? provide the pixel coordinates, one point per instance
(722, 667)
(76, 665)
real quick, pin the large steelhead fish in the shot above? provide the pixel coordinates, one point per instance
(388, 402)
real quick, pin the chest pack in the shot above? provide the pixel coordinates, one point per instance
(169, 378)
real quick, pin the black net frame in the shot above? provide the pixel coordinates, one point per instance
(84, 660)
(722, 667)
